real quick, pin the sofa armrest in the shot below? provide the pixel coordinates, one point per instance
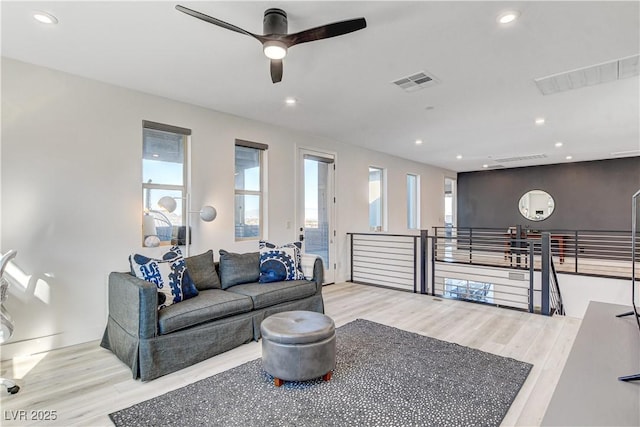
(133, 304)
(318, 274)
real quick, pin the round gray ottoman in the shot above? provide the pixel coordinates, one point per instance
(298, 346)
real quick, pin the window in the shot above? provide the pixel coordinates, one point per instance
(249, 160)
(164, 173)
(449, 202)
(376, 199)
(413, 202)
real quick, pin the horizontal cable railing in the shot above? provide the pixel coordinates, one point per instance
(385, 259)
(595, 253)
(482, 266)
(488, 265)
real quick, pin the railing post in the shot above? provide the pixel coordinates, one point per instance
(470, 245)
(423, 260)
(351, 255)
(575, 248)
(433, 265)
(531, 272)
(415, 268)
(546, 272)
(519, 244)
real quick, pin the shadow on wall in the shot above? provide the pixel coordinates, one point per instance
(25, 287)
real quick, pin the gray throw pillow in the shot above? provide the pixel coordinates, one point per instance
(236, 269)
(202, 270)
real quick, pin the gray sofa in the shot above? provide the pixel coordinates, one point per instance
(156, 342)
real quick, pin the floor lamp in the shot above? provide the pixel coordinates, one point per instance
(207, 214)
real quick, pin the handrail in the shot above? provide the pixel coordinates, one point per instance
(556, 295)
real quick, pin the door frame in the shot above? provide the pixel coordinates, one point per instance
(330, 270)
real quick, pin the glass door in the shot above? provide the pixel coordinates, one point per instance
(317, 204)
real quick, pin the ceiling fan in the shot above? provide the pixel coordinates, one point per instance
(275, 40)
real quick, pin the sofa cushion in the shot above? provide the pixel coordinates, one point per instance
(279, 263)
(268, 294)
(236, 269)
(202, 270)
(209, 305)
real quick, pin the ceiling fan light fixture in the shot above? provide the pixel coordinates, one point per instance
(274, 49)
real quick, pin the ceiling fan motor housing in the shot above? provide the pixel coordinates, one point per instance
(274, 22)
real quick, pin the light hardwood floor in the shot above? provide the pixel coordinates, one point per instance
(84, 383)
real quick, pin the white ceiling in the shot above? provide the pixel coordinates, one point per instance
(484, 107)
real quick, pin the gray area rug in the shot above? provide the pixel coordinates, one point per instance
(384, 376)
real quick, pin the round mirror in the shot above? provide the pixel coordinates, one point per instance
(536, 205)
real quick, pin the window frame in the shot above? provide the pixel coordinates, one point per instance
(416, 202)
(261, 149)
(182, 189)
(383, 199)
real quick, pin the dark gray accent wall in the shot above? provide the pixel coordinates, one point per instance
(588, 195)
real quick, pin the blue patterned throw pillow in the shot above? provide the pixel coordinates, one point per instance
(189, 289)
(169, 274)
(278, 263)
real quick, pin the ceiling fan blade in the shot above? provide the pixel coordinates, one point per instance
(218, 22)
(325, 31)
(276, 70)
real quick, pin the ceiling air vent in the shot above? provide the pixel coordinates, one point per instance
(589, 76)
(416, 81)
(517, 158)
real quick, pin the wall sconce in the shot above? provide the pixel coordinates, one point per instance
(207, 214)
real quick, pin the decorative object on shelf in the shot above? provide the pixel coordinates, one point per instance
(6, 323)
(207, 214)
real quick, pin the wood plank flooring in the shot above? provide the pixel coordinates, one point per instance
(84, 383)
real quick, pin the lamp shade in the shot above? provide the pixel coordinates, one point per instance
(168, 203)
(208, 213)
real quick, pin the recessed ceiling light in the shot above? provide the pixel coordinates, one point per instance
(290, 101)
(569, 157)
(459, 156)
(485, 166)
(507, 17)
(156, 155)
(418, 141)
(558, 144)
(540, 121)
(44, 17)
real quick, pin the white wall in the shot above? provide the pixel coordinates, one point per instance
(578, 291)
(71, 192)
